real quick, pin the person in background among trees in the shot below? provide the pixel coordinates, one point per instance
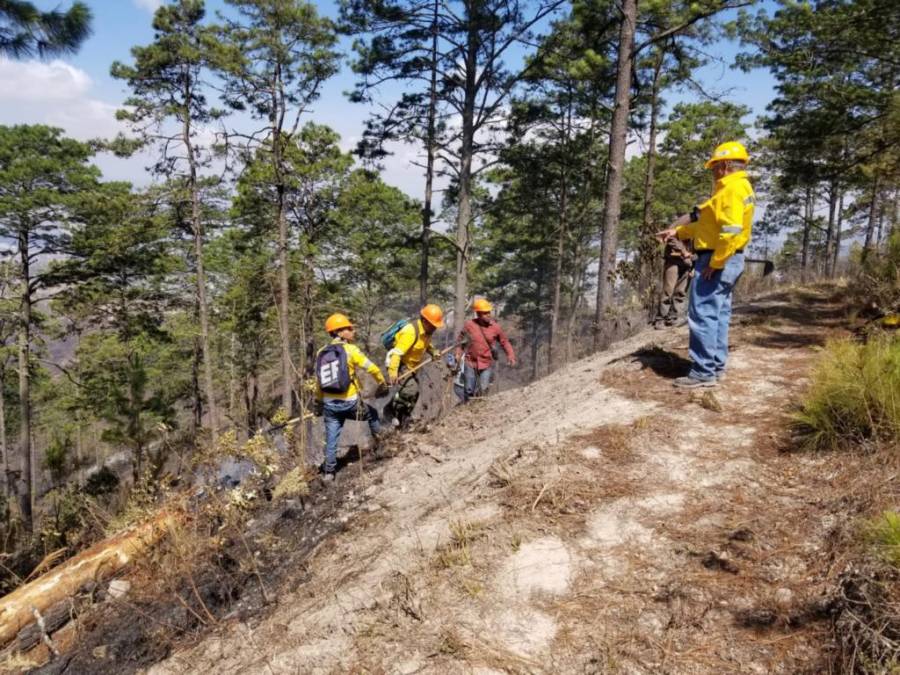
(678, 263)
(338, 391)
(478, 341)
(720, 228)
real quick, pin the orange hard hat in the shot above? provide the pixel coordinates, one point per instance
(336, 322)
(433, 315)
(482, 305)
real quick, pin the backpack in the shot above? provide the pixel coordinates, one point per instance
(332, 370)
(389, 337)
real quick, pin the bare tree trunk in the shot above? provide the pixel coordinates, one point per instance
(3, 447)
(837, 234)
(197, 411)
(464, 211)
(807, 224)
(829, 233)
(25, 487)
(870, 225)
(647, 246)
(429, 161)
(198, 231)
(284, 290)
(562, 234)
(617, 141)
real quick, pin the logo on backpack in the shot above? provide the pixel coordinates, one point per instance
(389, 337)
(332, 370)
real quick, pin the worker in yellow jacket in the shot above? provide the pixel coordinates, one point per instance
(411, 343)
(338, 391)
(720, 229)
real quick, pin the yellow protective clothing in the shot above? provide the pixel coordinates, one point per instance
(730, 150)
(355, 359)
(409, 349)
(722, 223)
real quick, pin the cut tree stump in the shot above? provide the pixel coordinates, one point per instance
(102, 560)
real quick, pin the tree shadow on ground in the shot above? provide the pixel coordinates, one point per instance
(662, 362)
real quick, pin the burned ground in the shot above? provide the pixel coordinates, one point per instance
(594, 521)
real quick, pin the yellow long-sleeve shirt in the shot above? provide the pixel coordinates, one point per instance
(355, 359)
(724, 222)
(409, 348)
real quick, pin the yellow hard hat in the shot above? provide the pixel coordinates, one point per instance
(336, 322)
(433, 315)
(730, 150)
(482, 305)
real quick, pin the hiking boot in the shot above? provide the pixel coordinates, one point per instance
(689, 382)
(328, 477)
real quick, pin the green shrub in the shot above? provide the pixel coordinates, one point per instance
(884, 533)
(854, 397)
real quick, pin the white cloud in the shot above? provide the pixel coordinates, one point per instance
(23, 81)
(148, 5)
(59, 94)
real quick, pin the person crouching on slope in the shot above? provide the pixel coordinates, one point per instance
(720, 228)
(478, 338)
(411, 344)
(338, 391)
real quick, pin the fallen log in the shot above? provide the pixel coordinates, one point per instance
(19, 608)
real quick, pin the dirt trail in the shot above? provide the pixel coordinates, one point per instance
(594, 521)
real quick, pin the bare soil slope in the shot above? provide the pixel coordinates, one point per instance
(595, 521)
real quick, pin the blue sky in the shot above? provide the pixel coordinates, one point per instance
(78, 94)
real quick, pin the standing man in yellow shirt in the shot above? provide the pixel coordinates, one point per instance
(338, 391)
(720, 228)
(410, 344)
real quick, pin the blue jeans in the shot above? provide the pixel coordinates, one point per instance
(709, 315)
(335, 413)
(477, 381)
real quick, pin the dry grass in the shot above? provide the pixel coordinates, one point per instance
(854, 399)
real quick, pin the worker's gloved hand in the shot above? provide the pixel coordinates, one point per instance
(513, 363)
(383, 390)
(451, 363)
(318, 408)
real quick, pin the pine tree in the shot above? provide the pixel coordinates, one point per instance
(42, 178)
(275, 57)
(170, 111)
(26, 31)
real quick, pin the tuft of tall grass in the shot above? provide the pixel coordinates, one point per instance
(854, 397)
(884, 534)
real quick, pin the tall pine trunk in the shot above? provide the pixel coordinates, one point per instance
(829, 233)
(464, 211)
(807, 225)
(199, 233)
(429, 161)
(870, 224)
(837, 233)
(561, 235)
(3, 446)
(647, 246)
(25, 487)
(609, 238)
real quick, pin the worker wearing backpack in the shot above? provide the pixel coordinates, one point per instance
(338, 391)
(407, 342)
